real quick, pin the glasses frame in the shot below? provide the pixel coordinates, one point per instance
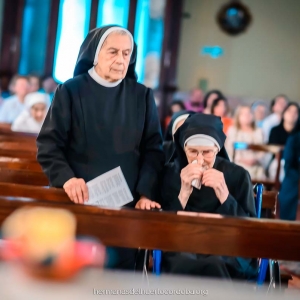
(214, 152)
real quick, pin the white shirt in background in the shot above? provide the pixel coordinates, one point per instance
(10, 109)
(26, 123)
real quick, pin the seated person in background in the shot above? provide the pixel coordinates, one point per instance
(220, 108)
(49, 86)
(279, 134)
(278, 104)
(175, 107)
(32, 118)
(35, 83)
(289, 191)
(195, 101)
(177, 120)
(209, 99)
(244, 130)
(225, 188)
(14, 105)
(259, 110)
(289, 124)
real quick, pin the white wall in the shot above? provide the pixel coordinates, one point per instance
(260, 63)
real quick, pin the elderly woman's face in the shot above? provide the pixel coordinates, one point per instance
(114, 57)
(205, 155)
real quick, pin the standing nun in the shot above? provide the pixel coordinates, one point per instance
(101, 119)
(200, 181)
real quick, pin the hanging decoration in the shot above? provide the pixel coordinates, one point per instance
(234, 18)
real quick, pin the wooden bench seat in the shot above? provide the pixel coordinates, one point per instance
(196, 233)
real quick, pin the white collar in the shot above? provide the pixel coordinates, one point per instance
(101, 81)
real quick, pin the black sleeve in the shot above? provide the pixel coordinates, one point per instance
(290, 153)
(53, 139)
(240, 202)
(152, 155)
(273, 137)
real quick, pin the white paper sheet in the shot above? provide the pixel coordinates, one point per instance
(109, 189)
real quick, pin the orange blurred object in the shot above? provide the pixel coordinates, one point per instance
(43, 241)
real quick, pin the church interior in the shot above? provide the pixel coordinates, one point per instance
(149, 147)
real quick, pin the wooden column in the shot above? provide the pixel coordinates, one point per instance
(11, 37)
(52, 30)
(173, 16)
(94, 14)
(132, 15)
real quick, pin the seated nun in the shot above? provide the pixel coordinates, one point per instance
(176, 121)
(200, 181)
(32, 118)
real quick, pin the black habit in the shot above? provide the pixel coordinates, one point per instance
(168, 145)
(91, 129)
(240, 202)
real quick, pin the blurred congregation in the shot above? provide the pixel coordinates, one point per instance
(251, 112)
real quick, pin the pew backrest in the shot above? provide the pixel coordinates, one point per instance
(189, 232)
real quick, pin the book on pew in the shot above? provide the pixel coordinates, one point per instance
(109, 189)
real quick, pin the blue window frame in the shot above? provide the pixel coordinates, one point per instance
(113, 12)
(73, 26)
(34, 36)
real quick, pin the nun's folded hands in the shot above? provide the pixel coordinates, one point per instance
(215, 179)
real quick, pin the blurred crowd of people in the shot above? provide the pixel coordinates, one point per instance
(277, 123)
(26, 104)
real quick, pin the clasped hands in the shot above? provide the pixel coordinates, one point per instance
(211, 178)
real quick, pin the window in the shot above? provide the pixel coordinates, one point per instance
(149, 33)
(34, 36)
(73, 26)
(113, 12)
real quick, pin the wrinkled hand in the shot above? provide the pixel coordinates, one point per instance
(77, 190)
(187, 175)
(215, 179)
(146, 204)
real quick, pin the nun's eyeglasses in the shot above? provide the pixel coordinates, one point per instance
(193, 153)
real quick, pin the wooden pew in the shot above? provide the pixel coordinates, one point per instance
(23, 177)
(23, 146)
(18, 153)
(14, 163)
(34, 192)
(17, 138)
(193, 232)
(269, 203)
(5, 129)
(13, 144)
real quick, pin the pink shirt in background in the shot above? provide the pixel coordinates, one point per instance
(196, 109)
